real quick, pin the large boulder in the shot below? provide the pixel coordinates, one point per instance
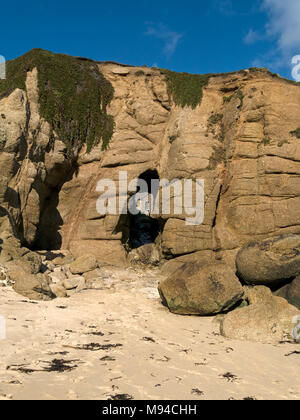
(29, 262)
(291, 292)
(269, 320)
(271, 261)
(84, 264)
(202, 257)
(15, 257)
(35, 287)
(201, 290)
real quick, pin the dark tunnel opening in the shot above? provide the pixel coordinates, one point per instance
(142, 229)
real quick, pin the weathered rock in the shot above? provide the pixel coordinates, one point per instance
(58, 290)
(63, 260)
(238, 140)
(270, 321)
(257, 294)
(252, 186)
(92, 275)
(84, 264)
(146, 254)
(50, 266)
(198, 290)
(120, 70)
(30, 264)
(271, 261)
(31, 161)
(57, 277)
(107, 252)
(35, 287)
(291, 292)
(203, 258)
(4, 279)
(81, 285)
(12, 255)
(73, 282)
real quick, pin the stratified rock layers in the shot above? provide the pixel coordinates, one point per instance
(238, 140)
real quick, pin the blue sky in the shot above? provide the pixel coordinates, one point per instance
(196, 36)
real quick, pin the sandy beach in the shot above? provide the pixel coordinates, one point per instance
(117, 341)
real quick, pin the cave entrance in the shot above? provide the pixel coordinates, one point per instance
(141, 229)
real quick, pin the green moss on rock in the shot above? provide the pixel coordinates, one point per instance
(296, 133)
(266, 141)
(215, 119)
(218, 156)
(73, 96)
(140, 73)
(186, 89)
(227, 99)
(282, 142)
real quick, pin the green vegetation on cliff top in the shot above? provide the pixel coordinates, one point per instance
(186, 89)
(73, 96)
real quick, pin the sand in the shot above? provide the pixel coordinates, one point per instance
(118, 339)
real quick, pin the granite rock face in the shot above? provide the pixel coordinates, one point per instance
(84, 264)
(269, 320)
(33, 164)
(271, 261)
(238, 140)
(291, 292)
(198, 290)
(15, 257)
(35, 287)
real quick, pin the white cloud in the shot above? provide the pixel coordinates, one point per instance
(170, 38)
(284, 24)
(252, 37)
(282, 28)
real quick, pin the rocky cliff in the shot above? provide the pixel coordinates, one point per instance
(240, 135)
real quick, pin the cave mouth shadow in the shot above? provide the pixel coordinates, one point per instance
(141, 229)
(48, 236)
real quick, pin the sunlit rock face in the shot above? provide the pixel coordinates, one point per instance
(241, 140)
